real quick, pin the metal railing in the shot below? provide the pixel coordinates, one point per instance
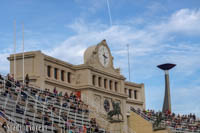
(34, 99)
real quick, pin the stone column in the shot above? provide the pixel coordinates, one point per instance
(102, 82)
(132, 94)
(52, 72)
(58, 74)
(113, 85)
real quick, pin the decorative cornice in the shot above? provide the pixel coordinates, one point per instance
(57, 61)
(19, 56)
(128, 83)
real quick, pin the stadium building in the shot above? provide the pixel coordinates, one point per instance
(97, 81)
(69, 98)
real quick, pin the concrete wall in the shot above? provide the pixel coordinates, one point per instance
(140, 125)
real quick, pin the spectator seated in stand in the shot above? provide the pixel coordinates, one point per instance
(8, 84)
(19, 110)
(23, 95)
(4, 126)
(65, 104)
(1, 81)
(2, 113)
(55, 91)
(46, 120)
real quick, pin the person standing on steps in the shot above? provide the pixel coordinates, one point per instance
(27, 80)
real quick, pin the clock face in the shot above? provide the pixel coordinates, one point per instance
(104, 56)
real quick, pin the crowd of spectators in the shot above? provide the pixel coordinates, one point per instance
(177, 122)
(72, 101)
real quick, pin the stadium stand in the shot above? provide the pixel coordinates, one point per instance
(176, 123)
(46, 111)
(31, 109)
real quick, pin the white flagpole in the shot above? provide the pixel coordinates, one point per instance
(15, 50)
(23, 52)
(129, 71)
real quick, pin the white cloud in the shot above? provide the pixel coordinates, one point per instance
(150, 44)
(68, 51)
(184, 21)
(155, 7)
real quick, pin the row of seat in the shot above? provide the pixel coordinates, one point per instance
(33, 116)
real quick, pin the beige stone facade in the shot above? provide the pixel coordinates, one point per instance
(140, 125)
(97, 79)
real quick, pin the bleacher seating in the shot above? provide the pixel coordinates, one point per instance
(176, 123)
(29, 106)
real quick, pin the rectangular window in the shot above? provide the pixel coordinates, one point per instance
(62, 75)
(69, 77)
(93, 79)
(130, 93)
(116, 86)
(49, 71)
(110, 83)
(105, 83)
(135, 94)
(99, 80)
(56, 73)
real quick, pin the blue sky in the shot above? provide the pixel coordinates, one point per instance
(158, 31)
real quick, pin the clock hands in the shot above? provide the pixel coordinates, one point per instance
(105, 57)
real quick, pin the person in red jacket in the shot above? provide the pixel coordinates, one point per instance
(84, 129)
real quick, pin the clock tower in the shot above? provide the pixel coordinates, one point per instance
(100, 57)
(104, 56)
